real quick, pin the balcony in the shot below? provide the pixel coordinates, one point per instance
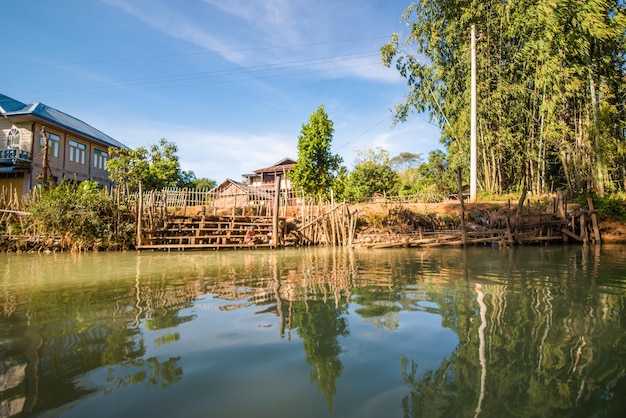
(15, 157)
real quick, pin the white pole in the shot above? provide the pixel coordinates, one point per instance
(473, 122)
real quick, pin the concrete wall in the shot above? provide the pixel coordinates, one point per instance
(60, 165)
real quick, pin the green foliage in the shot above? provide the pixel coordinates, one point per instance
(155, 168)
(405, 161)
(433, 177)
(608, 207)
(316, 169)
(549, 82)
(372, 174)
(82, 215)
(203, 183)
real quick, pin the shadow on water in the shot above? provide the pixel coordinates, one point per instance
(528, 331)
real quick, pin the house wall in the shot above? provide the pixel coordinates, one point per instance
(266, 181)
(18, 180)
(65, 165)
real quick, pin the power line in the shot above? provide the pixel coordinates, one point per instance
(189, 54)
(364, 132)
(176, 80)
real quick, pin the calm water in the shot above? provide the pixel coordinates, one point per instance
(524, 332)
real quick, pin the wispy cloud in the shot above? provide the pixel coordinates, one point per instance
(164, 18)
(269, 32)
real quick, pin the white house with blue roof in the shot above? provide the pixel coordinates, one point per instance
(76, 150)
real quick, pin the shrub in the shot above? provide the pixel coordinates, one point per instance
(611, 207)
(82, 215)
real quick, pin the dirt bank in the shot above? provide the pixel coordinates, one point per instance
(380, 218)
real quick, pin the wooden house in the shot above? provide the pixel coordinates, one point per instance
(75, 149)
(233, 194)
(265, 178)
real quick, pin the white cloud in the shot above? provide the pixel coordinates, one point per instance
(211, 154)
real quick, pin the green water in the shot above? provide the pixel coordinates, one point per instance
(481, 332)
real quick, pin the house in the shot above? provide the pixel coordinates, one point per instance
(232, 194)
(75, 150)
(265, 178)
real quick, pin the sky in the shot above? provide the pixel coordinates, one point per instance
(230, 82)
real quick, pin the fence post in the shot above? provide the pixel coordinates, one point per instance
(275, 235)
(139, 215)
(463, 233)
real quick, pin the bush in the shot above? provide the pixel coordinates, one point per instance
(82, 215)
(611, 207)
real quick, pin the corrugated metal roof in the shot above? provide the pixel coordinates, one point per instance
(57, 117)
(283, 165)
(7, 104)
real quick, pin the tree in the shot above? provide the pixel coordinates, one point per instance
(203, 183)
(372, 174)
(405, 160)
(550, 88)
(316, 168)
(155, 168)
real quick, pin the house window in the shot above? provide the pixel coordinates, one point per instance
(13, 138)
(53, 144)
(269, 177)
(77, 152)
(100, 158)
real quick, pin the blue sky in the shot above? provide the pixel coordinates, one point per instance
(230, 82)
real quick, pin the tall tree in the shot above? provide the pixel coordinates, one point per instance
(550, 87)
(405, 160)
(316, 168)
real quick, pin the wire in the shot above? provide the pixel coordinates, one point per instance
(181, 79)
(364, 132)
(189, 54)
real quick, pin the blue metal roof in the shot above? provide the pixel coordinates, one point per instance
(8, 104)
(56, 117)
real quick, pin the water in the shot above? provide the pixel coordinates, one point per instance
(482, 332)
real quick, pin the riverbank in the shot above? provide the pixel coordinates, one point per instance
(377, 223)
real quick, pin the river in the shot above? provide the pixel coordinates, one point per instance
(317, 332)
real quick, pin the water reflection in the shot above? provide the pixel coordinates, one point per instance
(477, 332)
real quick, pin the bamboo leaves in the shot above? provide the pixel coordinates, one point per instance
(550, 87)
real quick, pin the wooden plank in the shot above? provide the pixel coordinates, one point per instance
(529, 238)
(201, 246)
(571, 234)
(594, 221)
(556, 222)
(583, 228)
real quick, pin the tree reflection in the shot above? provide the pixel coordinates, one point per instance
(433, 395)
(163, 318)
(553, 343)
(319, 324)
(379, 306)
(554, 356)
(151, 371)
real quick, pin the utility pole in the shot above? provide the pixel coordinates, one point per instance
(473, 121)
